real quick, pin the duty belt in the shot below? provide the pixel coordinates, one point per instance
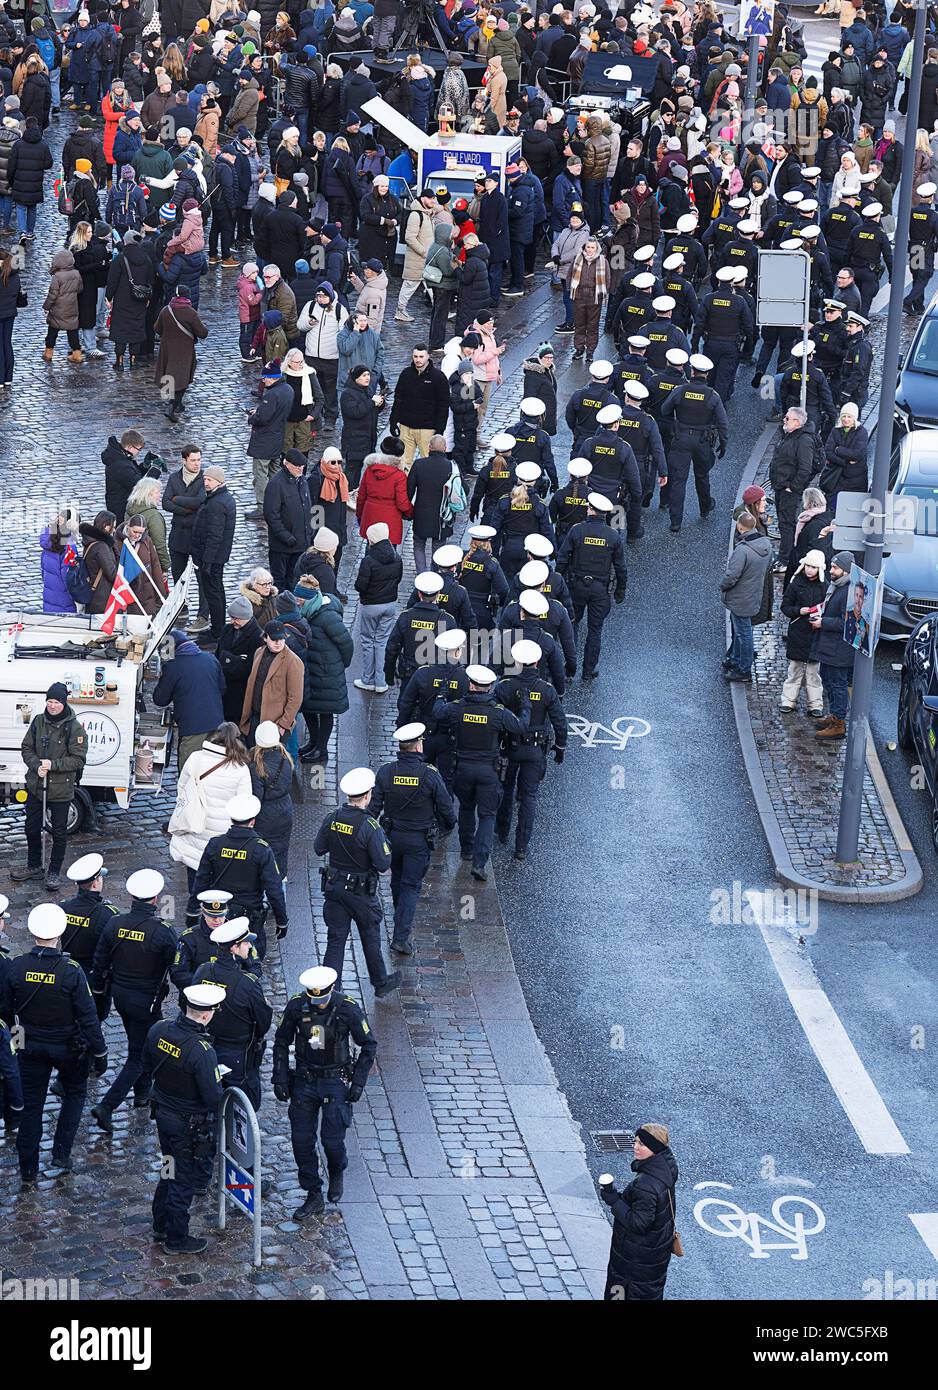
(350, 882)
(318, 1073)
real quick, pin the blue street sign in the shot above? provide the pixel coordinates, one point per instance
(240, 1186)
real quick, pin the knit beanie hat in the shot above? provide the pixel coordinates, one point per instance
(83, 166)
(843, 560)
(378, 531)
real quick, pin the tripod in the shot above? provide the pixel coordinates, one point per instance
(414, 15)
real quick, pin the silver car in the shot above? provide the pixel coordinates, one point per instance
(911, 577)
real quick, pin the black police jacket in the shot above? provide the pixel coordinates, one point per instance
(194, 948)
(354, 841)
(483, 578)
(568, 506)
(521, 626)
(87, 914)
(179, 1056)
(452, 599)
(411, 643)
(426, 686)
(135, 950)
(48, 994)
(615, 468)
(593, 550)
(245, 865)
(583, 407)
(479, 725)
(245, 1015)
(515, 691)
(492, 484)
(410, 794)
(328, 1047)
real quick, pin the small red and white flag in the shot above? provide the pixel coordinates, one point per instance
(122, 595)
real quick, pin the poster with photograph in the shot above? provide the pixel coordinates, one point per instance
(864, 606)
(756, 18)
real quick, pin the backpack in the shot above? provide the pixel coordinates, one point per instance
(46, 50)
(108, 45)
(454, 496)
(78, 581)
(65, 198)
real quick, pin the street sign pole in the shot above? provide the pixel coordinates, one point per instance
(851, 797)
(239, 1161)
(804, 354)
(752, 78)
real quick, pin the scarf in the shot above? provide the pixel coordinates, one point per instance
(806, 516)
(334, 481)
(601, 281)
(187, 477)
(311, 606)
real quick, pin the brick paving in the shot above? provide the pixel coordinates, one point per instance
(467, 1177)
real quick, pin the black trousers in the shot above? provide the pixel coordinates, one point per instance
(58, 815)
(523, 776)
(37, 1063)
(688, 451)
(340, 909)
(138, 1016)
(221, 230)
(212, 584)
(593, 599)
(442, 303)
(283, 565)
(788, 507)
(178, 559)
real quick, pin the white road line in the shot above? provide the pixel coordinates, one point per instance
(926, 1223)
(851, 1082)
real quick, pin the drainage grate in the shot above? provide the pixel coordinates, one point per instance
(613, 1141)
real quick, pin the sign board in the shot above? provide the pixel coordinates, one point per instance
(864, 608)
(756, 18)
(784, 289)
(853, 523)
(239, 1162)
(240, 1186)
(239, 1140)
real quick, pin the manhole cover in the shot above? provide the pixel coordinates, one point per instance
(613, 1141)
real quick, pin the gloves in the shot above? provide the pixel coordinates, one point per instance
(100, 1064)
(558, 754)
(281, 1091)
(394, 430)
(282, 931)
(570, 670)
(619, 595)
(355, 1093)
(720, 450)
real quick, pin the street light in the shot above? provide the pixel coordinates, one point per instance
(851, 796)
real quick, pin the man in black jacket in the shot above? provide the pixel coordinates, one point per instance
(236, 647)
(791, 470)
(212, 536)
(421, 405)
(425, 483)
(288, 514)
(224, 204)
(182, 497)
(125, 464)
(281, 236)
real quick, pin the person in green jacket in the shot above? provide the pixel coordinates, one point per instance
(54, 750)
(328, 656)
(144, 501)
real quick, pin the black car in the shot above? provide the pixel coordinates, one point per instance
(917, 390)
(917, 717)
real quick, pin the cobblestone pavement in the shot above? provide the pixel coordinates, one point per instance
(802, 773)
(467, 1177)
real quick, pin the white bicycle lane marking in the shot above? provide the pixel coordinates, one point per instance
(616, 735)
(794, 1218)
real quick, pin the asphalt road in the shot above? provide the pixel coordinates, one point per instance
(650, 1010)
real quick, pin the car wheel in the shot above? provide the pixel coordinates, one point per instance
(77, 813)
(903, 722)
(934, 820)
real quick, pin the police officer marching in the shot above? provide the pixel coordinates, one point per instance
(482, 576)
(532, 442)
(241, 1022)
(642, 432)
(633, 366)
(568, 505)
(411, 801)
(410, 644)
(479, 726)
(47, 994)
(724, 321)
(494, 479)
(537, 577)
(680, 289)
(187, 1091)
(246, 866)
(529, 616)
(923, 243)
(453, 598)
(868, 250)
(87, 914)
(697, 413)
(325, 1083)
(615, 469)
(195, 945)
(11, 1084)
(538, 547)
(593, 559)
(587, 401)
(527, 757)
(858, 362)
(445, 677)
(358, 855)
(134, 955)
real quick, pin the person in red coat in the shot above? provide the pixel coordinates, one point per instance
(382, 492)
(465, 224)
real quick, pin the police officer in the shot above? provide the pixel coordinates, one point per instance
(686, 244)
(246, 866)
(187, 1092)
(830, 342)
(868, 250)
(586, 403)
(47, 994)
(632, 366)
(11, 1085)
(723, 322)
(532, 442)
(615, 469)
(358, 854)
(495, 478)
(662, 333)
(822, 277)
(642, 432)
(482, 576)
(479, 725)
(540, 548)
(568, 506)
(195, 944)
(636, 308)
(87, 914)
(446, 677)
(697, 413)
(410, 644)
(325, 1084)
(593, 559)
(923, 241)
(673, 375)
(819, 402)
(858, 362)
(782, 226)
(241, 1023)
(132, 961)
(527, 758)
(529, 616)
(676, 284)
(453, 597)
(538, 577)
(411, 801)
(837, 224)
(741, 250)
(723, 229)
(522, 513)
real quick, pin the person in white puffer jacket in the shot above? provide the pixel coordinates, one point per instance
(221, 769)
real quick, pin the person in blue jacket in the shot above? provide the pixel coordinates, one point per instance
(493, 232)
(567, 190)
(193, 682)
(522, 205)
(84, 63)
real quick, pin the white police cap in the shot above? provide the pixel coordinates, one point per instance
(854, 317)
(530, 601)
(740, 274)
(872, 210)
(481, 675)
(357, 782)
(927, 190)
(792, 243)
(643, 253)
(4, 905)
(409, 733)
(674, 261)
(230, 933)
(748, 226)
(792, 196)
(810, 232)
(534, 574)
(812, 172)
(579, 468)
(450, 640)
(609, 415)
(428, 583)
(677, 357)
(527, 472)
(46, 921)
(808, 205)
(204, 996)
(86, 868)
(739, 203)
(244, 808)
(215, 901)
(599, 503)
(145, 884)
(663, 304)
(725, 274)
(700, 363)
(503, 442)
(687, 222)
(319, 980)
(531, 405)
(538, 545)
(644, 280)
(447, 555)
(482, 533)
(638, 340)
(803, 349)
(601, 368)
(526, 653)
(636, 391)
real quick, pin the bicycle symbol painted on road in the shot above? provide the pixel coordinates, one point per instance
(790, 1215)
(617, 734)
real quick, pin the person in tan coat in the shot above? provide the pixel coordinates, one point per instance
(61, 305)
(207, 125)
(275, 686)
(418, 238)
(496, 84)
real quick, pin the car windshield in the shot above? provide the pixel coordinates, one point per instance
(925, 357)
(926, 520)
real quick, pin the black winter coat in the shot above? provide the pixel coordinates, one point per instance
(359, 420)
(268, 421)
(84, 144)
(274, 791)
(846, 469)
(214, 529)
(421, 399)
(425, 482)
(288, 513)
(473, 294)
(801, 641)
(183, 502)
(315, 564)
(8, 138)
(379, 574)
(810, 538)
(540, 383)
(792, 463)
(122, 473)
(236, 648)
(128, 314)
(29, 160)
(643, 1230)
(36, 98)
(832, 649)
(92, 265)
(281, 238)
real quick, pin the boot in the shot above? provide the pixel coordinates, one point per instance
(21, 872)
(47, 354)
(336, 1187)
(76, 355)
(835, 729)
(102, 1117)
(189, 1245)
(118, 364)
(823, 723)
(313, 1206)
